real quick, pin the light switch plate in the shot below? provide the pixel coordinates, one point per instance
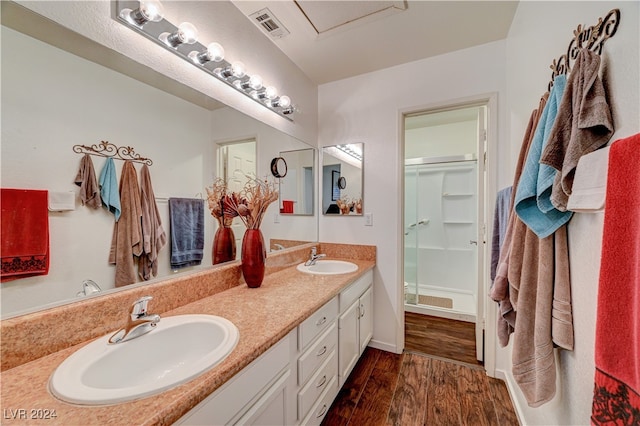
(368, 219)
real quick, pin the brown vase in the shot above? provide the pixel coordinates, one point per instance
(254, 256)
(224, 245)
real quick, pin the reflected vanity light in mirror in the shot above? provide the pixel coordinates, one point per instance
(143, 17)
(342, 179)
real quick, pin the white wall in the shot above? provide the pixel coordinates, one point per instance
(41, 124)
(442, 140)
(367, 109)
(540, 33)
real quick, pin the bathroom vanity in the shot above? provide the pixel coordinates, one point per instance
(300, 335)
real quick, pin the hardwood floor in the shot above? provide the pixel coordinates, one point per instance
(418, 389)
(440, 337)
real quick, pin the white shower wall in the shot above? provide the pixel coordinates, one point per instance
(440, 220)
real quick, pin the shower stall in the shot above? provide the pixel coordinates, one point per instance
(440, 236)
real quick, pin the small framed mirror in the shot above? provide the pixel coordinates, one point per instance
(342, 179)
(296, 187)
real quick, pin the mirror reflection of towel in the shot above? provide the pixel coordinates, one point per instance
(187, 231)
(86, 180)
(126, 243)
(25, 233)
(109, 188)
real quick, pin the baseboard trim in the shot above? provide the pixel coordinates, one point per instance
(511, 388)
(376, 344)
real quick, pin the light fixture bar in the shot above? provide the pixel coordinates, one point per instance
(207, 57)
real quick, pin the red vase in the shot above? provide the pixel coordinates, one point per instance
(254, 256)
(224, 245)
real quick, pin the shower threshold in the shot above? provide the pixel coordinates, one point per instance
(459, 306)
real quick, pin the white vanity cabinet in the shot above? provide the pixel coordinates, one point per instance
(296, 381)
(355, 323)
(258, 395)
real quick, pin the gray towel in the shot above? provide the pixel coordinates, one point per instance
(86, 180)
(187, 231)
(500, 220)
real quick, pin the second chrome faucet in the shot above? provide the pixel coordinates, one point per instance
(138, 323)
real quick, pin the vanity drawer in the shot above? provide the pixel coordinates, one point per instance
(318, 321)
(319, 410)
(317, 384)
(355, 290)
(318, 353)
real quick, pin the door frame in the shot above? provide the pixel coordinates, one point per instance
(488, 315)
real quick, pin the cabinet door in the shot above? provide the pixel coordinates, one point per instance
(349, 345)
(366, 319)
(271, 408)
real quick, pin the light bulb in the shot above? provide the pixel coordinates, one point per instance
(284, 101)
(149, 10)
(238, 70)
(152, 9)
(270, 92)
(255, 82)
(214, 52)
(187, 34)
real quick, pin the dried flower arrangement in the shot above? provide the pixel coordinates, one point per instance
(344, 205)
(252, 202)
(217, 194)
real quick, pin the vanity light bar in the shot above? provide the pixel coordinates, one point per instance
(147, 18)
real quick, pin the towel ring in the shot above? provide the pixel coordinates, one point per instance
(279, 167)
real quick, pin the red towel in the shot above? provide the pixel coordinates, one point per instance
(616, 399)
(287, 206)
(25, 233)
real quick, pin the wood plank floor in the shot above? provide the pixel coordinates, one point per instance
(440, 337)
(418, 389)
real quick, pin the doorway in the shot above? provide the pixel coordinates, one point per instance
(444, 183)
(236, 161)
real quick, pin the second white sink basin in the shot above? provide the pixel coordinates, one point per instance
(178, 349)
(328, 267)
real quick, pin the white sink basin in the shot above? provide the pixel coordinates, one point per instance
(178, 349)
(329, 267)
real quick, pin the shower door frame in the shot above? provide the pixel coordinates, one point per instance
(485, 317)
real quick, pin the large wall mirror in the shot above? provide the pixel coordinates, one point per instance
(53, 99)
(342, 179)
(297, 185)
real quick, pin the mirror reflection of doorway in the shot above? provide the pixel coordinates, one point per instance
(236, 161)
(443, 215)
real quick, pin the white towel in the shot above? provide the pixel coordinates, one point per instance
(590, 182)
(60, 201)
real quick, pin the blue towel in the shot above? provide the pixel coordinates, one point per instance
(186, 217)
(109, 191)
(546, 173)
(537, 180)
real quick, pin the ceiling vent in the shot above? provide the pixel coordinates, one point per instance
(266, 20)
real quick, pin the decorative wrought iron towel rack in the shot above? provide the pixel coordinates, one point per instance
(591, 38)
(107, 149)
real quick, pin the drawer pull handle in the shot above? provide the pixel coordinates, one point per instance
(321, 321)
(322, 411)
(322, 351)
(322, 381)
(361, 311)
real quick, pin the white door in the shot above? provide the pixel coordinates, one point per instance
(236, 161)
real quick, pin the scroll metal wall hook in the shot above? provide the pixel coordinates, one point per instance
(107, 149)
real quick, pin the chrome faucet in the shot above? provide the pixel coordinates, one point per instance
(313, 257)
(138, 323)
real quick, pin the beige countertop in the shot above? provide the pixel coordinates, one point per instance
(262, 315)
